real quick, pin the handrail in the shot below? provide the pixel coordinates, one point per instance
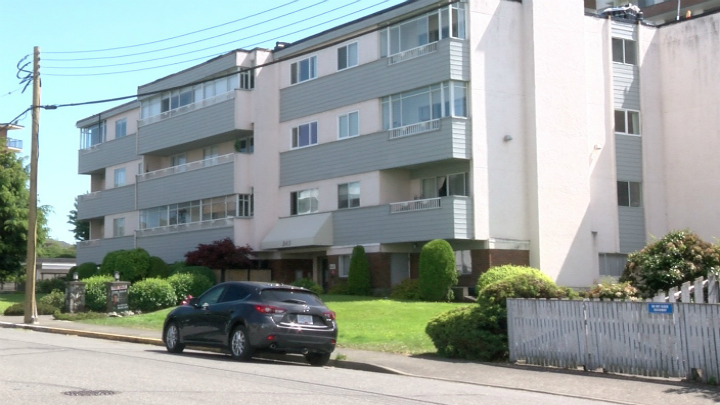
(207, 102)
(414, 129)
(415, 205)
(412, 53)
(199, 164)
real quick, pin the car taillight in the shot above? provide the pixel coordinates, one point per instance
(269, 309)
(329, 315)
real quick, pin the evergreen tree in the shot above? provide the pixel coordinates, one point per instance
(82, 228)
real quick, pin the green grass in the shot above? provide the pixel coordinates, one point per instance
(364, 322)
(8, 299)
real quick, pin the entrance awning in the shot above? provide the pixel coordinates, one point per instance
(300, 231)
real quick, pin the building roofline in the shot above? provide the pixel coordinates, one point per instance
(108, 113)
(9, 127)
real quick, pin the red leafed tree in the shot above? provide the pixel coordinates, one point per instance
(221, 255)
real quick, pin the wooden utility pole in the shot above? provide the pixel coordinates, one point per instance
(30, 305)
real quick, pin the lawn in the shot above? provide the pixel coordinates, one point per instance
(364, 322)
(7, 299)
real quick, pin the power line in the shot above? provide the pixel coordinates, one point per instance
(15, 120)
(175, 37)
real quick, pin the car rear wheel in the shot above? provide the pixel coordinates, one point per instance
(172, 339)
(240, 344)
(317, 359)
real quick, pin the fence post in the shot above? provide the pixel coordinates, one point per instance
(699, 293)
(685, 292)
(671, 294)
(712, 289)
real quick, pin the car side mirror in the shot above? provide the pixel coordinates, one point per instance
(204, 306)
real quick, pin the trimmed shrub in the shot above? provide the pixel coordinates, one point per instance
(85, 270)
(150, 295)
(678, 257)
(78, 316)
(408, 289)
(158, 268)
(472, 332)
(202, 270)
(96, 293)
(341, 288)
(49, 285)
(185, 284)
(69, 275)
(519, 286)
(309, 284)
(56, 298)
(132, 265)
(500, 272)
(19, 309)
(359, 273)
(437, 272)
(615, 291)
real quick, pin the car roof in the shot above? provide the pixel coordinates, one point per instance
(260, 285)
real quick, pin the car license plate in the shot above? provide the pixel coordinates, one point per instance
(305, 319)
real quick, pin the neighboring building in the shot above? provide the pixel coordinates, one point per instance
(47, 268)
(520, 132)
(10, 144)
(660, 11)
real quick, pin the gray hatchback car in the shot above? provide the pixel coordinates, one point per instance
(248, 317)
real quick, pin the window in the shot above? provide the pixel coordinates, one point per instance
(178, 160)
(432, 27)
(245, 145)
(119, 177)
(245, 205)
(347, 56)
(349, 195)
(210, 155)
(624, 51)
(425, 104)
(463, 262)
(627, 122)
(92, 135)
(120, 128)
(348, 125)
(304, 202)
(304, 135)
(212, 296)
(195, 211)
(443, 186)
(344, 266)
(629, 194)
(303, 70)
(118, 227)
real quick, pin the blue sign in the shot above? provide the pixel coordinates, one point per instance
(654, 308)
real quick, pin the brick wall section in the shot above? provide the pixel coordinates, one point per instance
(283, 271)
(379, 269)
(483, 259)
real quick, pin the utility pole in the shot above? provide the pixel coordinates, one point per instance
(30, 305)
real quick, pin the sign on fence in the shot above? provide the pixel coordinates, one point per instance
(655, 308)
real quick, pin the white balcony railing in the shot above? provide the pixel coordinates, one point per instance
(89, 196)
(89, 243)
(187, 108)
(200, 164)
(415, 205)
(412, 53)
(14, 143)
(415, 129)
(193, 226)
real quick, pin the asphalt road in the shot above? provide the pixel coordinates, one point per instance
(46, 368)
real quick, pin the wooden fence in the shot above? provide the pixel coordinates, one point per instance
(674, 335)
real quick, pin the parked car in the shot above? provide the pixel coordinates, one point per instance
(249, 317)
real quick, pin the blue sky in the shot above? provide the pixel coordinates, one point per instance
(92, 25)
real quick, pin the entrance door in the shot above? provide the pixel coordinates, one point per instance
(399, 267)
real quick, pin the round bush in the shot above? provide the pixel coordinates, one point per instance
(500, 272)
(85, 270)
(150, 295)
(473, 333)
(96, 293)
(132, 265)
(437, 272)
(19, 309)
(47, 286)
(408, 289)
(309, 284)
(205, 271)
(185, 284)
(359, 273)
(158, 268)
(678, 257)
(519, 286)
(56, 298)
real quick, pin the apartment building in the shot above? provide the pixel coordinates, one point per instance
(520, 132)
(10, 144)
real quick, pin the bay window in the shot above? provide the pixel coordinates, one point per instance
(425, 104)
(440, 24)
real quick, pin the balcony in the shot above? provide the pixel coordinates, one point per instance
(415, 129)
(14, 145)
(106, 202)
(193, 226)
(407, 221)
(106, 154)
(208, 121)
(96, 249)
(412, 53)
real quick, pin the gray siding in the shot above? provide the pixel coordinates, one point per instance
(194, 74)
(626, 87)
(628, 157)
(94, 251)
(213, 181)
(612, 264)
(201, 124)
(107, 202)
(632, 228)
(377, 225)
(624, 30)
(172, 247)
(107, 154)
(373, 152)
(374, 80)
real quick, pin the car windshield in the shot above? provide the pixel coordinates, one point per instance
(291, 296)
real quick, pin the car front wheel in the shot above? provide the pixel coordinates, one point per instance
(240, 344)
(172, 339)
(317, 359)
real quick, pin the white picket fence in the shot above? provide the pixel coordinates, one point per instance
(660, 337)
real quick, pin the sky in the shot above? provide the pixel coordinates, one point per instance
(83, 29)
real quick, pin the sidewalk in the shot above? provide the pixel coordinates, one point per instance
(569, 383)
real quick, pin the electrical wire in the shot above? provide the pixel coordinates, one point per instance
(16, 119)
(171, 38)
(11, 92)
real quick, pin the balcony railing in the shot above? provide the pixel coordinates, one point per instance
(415, 129)
(192, 226)
(89, 196)
(412, 53)
(415, 205)
(88, 243)
(200, 164)
(14, 143)
(187, 108)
